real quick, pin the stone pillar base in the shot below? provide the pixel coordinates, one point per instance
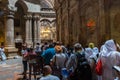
(10, 51)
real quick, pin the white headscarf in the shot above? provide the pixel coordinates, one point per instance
(95, 50)
(88, 52)
(111, 46)
(103, 51)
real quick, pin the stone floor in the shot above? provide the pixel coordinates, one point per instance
(11, 69)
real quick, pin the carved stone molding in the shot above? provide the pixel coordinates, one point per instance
(10, 15)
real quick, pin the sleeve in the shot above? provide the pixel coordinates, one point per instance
(53, 59)
(43, 54)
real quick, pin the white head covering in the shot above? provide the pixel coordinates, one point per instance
(88, 52)
(103, 51)
(95, 50)
(110, 45)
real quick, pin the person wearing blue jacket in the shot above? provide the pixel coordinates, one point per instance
(48, 54)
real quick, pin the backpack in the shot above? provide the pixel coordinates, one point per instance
(83, 70)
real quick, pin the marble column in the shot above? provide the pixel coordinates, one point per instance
(30, 29)
(9, 34)
(9, 30)
(36, 28)
(27, 28)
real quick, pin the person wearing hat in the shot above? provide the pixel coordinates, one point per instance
(59, 59)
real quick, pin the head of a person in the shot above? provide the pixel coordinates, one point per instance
(38, 43)
(91, 45)
(77, 47)
(58, 49)
(47, 70)
(24, 47)
(45, 43)
(103, 51)
(110, 45)
(31, 49)
(51, 45)
(96, 50)
(88, 51)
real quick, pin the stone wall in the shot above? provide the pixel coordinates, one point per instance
(87, 21)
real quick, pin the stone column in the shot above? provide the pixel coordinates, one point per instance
(27, 28)
(30, 29)
(9, 33)
(36, 28)
(9, 30)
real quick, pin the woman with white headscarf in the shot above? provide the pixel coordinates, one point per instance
(109, 57)
(91, 57)
(88, 52)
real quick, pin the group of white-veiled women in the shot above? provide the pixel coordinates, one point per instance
(109, 56)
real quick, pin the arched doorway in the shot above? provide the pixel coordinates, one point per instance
(19, 24)
(19, 21)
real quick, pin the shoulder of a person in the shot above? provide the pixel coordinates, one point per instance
(55, 77)
(115, 53)
(73, 55)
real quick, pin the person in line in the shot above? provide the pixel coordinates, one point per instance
(109, 58)
(47, 74)
(59, 59)
(72, 62)
(38, 49)
(48, 54)
(91, 57)
(24, 60)
(81, 69)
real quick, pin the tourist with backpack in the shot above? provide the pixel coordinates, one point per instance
(81, 69)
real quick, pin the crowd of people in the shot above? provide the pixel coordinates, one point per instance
(75, 62)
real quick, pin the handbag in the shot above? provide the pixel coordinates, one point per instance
(98, 68)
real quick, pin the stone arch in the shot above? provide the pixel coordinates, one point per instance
(19, 20)
(45, 20)
(45, 4)
(53, 20)
(22, 3)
